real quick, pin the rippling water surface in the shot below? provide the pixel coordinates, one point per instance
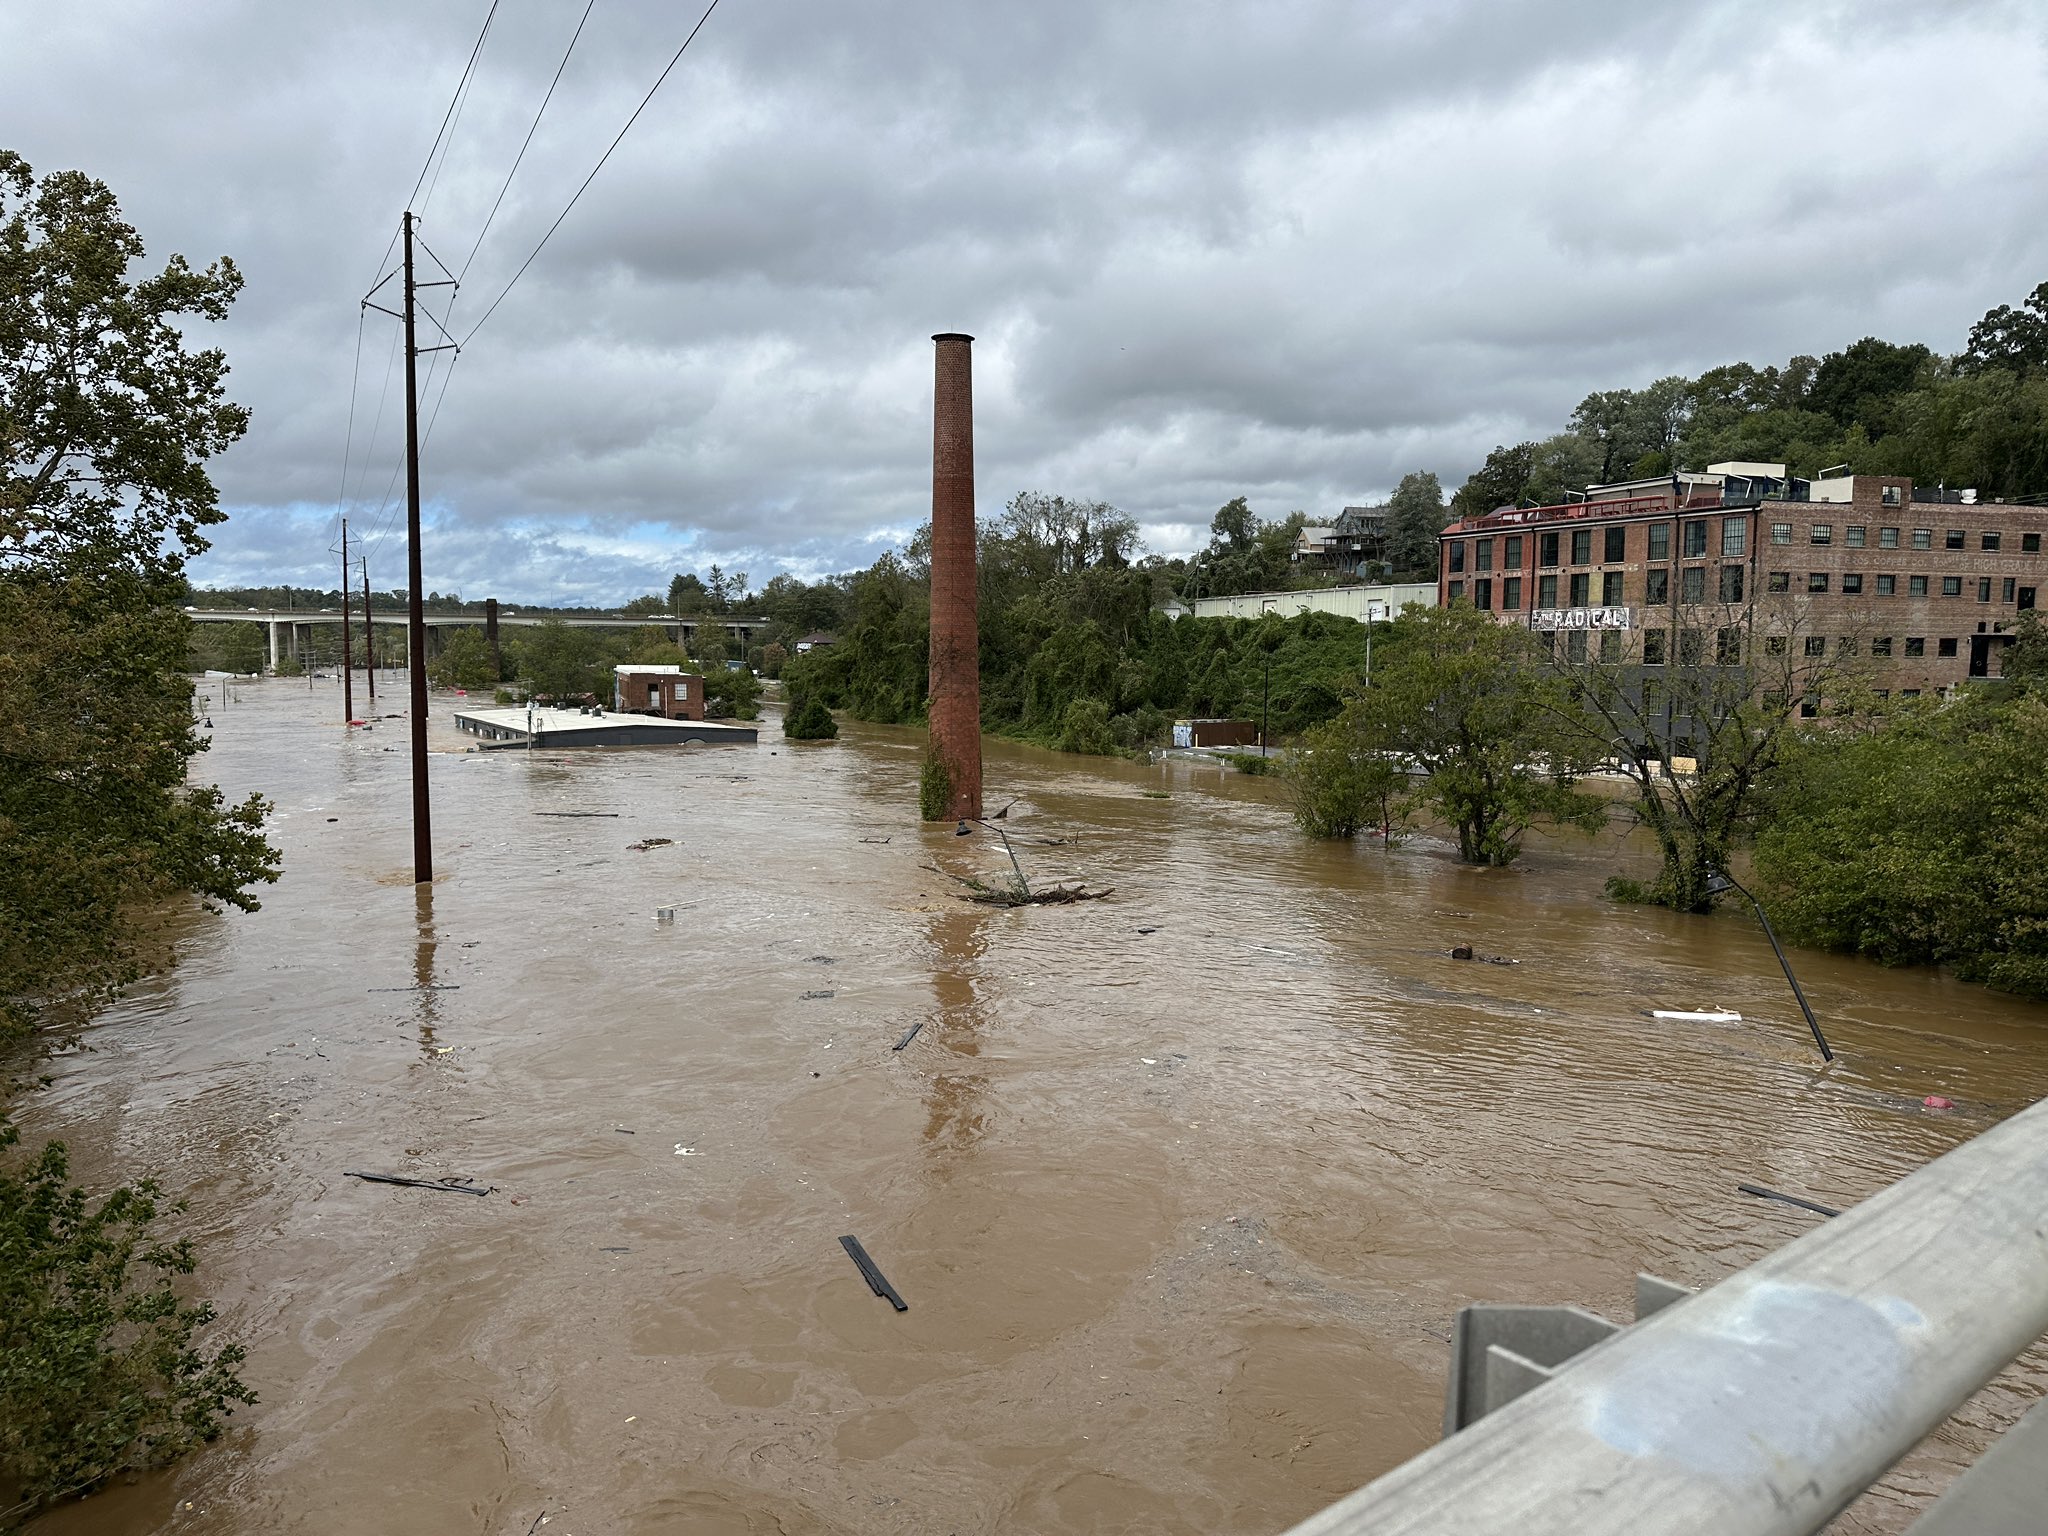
(1183, 1187)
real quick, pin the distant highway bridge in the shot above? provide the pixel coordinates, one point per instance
(291, 629)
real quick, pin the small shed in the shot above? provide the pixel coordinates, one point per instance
(1215, 733)
(817, 640)
(670, 692)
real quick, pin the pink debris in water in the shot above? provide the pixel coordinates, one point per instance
(1936, 1101)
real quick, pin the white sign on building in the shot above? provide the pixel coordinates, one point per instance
(1581, 618)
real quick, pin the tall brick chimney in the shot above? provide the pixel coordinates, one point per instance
(956, 645)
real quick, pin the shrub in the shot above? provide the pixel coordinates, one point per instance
(809, 720)
(934, 787)
(98, 1374)
(1084, 727)
(1339, 787)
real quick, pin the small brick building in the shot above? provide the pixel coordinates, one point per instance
(672, 693)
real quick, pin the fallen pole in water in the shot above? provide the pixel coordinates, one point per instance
(876, 1282)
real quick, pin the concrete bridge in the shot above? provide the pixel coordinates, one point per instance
(291, 629)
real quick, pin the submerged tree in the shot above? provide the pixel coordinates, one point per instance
(1470, 705)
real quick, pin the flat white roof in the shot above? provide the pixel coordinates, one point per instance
(664, 668)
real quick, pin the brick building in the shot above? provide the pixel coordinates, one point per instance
(670, 692)
(1922, 586)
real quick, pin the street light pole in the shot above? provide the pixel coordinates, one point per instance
(1719, 881)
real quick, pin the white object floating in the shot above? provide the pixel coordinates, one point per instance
(1700, 1016)
(683, 1151)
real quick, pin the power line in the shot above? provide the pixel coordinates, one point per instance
(523, 143)
(593, 173)
(460, 85)
(349, 440)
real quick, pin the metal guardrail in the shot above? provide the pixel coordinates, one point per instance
(1764, 1405)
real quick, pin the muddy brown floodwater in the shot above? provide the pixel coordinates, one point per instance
(1182, 1187)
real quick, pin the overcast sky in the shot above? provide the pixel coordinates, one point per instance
(1283, 250)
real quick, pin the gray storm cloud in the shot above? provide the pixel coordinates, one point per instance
(1289, 251)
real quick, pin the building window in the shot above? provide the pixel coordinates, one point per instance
(1891, 496)
(1945, 648)
(1954, 539)
(1951, 586)
(1991, 541)
(1923, 538)
(1887, 585)
(1823, 533)
(1660, 541)
(1610, 589)
(1731, 583)
(1482, 554)
(1916, 586)
(1457, 590)
(1853, 535)
(1653, 696)
(1845, 645)
(1575, 645)
(1546, 591)
(1808, 707)
(1692, 647)
(2005, 591)
(1816, 581)
(1695, 538)
(1916, 646)
(1582, 586)
(1657, 586)
(1778, 581)
(1816, 645)
(1616, 549)
(1852, 582)
(2030, 543)
(1457, 549)
(1983, 589)
(1909, 693)
(1482, 593)
(1511, 555)
(1582, 546)
(2026, 598)
(1781, 533)
(1881, 646)
(1777, 645)
(1887, 538)
(1728, 647)
(1734, 537)
(1511, 593)
(1546, 549)
(1610, 645)
(1653, 647)
(1693, 585)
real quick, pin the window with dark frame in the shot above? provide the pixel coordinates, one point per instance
(2030, 543)
(1511, 553)
(1610, 589)
(1616, 546)
(1457, 549)
(1781, 533)
(1693, 584)
(1657, 586)
(1816, 581)
(1660, 541)
(1777, 645)
(1457, 590)
(1653, 647)
(1822, 533)
(1983, 589)
(1945, 648)
(1582, 587)
(1482, 593)
(1546, 591)
(1731, 583)
(2005, 591)
(1887, 538)
(1482, 554)
(1852, 536)
(1887, 585)
(1916, 645)
(1511, 593)
(1991, 539)
(1778, 581)
(1951, 586)
(1734, 537)
(1582, 546)
(1695, 538)
(1852, 582)
(1816, 645)
(1546, 549)
(1923, 538)
(1955, 538)
(1916, 586)
(1881, 646)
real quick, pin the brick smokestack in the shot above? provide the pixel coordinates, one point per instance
(956, 644)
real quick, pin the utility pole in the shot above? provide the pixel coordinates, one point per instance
(369, 636)
(348, 681)
(415, 615)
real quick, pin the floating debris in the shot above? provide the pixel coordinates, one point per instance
(646, 843)
(816, 995)
(909, 1035)
(453, 1186)
(874, 1277)
(1771, 1194)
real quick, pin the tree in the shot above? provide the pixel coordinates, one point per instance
(1856, 384)
(2012, 339)
(107, 419)
(1696, 716)
(686, 594)
(465, 662)
(1499, 482)
(808, 720)
(1338, 783)
(558, 662)
(1471, 706)
(1415, 516)
(1234, 525)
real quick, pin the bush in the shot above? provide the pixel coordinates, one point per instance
(98, 1374)
(809, 720)
(1084, 727)
(1252, 763)
(1339, 787)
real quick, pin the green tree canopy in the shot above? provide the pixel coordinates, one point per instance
(1415, 516)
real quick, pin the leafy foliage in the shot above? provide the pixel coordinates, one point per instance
(98, 1371)
(1339, 784)
(465, 662)
(809, 720)
(1415, 516)
(934, 787)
